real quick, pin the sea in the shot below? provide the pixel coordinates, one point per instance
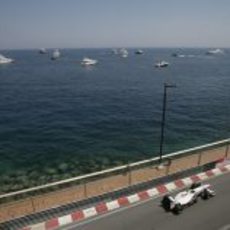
(60, 119)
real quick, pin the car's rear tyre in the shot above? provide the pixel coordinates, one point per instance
(166, 203)
(178, 209)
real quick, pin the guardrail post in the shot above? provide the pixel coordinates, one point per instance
(129, 174)
(226, 151)
(168, 166)
(32, 204)
(85, 189)
(199, 158)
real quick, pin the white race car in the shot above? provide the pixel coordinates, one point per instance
(187, 198)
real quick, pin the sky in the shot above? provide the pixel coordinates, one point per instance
(114, 23)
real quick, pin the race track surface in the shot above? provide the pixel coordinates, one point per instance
(212, 214)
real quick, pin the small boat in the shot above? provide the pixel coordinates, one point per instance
(87, 61)
(183, 55)
(114, 51)
(42, 51)
(5, 60)
(124, 53)
(56, 54)
(139, 51)
(214, 51)
(175, 55)
(161, 64)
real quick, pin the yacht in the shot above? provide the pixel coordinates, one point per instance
(139, 51)
(56, 54)
(215, 51)
(161, 64)
(183, 55)
(175, 55)
(87, 61)
(42, 51)
(5, 60)
(114, 51)
(124, 53)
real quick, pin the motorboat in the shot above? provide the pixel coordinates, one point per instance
(182, 55)
(42, 51)
(56, 54)
(139, 51)
(215, 51)
(114, 51)
(5, 60)
(87, 61)
(161, 64)
(124, 53)
(175, 55)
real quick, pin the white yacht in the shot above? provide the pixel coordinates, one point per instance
(161, 64)
(42, 51)
(183, 55)
(5, 60)
(215, 51)
(114, 51)
(139, 51)
(87, 61)
(124, 53)
(56, 54)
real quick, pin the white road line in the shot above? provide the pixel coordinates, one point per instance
(171, 186)
(217, 171)
(133, 198)
(40, 226)
(152, 192)
(63, 220)
(89, 212)
(112, 205)
(187, 181)
(227, 166)
(203, 176)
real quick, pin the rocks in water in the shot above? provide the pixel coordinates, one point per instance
(43, 174)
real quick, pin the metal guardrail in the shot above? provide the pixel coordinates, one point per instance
(21, 222)
(116, 170)
(77, 189)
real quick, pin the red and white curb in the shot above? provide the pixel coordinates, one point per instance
(105, 207)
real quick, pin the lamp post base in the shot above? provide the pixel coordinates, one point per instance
(161, 166)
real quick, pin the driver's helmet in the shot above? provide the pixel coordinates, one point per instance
(195, 185)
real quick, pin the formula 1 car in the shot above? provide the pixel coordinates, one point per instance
(187, 198)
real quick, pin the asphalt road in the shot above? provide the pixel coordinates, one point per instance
(213, 214)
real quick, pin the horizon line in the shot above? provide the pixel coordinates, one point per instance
(118, 47)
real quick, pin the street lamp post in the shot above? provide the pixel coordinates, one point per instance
(166, 86)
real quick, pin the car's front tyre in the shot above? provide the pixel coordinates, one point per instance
(205, 195)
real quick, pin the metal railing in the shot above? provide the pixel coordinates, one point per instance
(116, 170)
(31, 200)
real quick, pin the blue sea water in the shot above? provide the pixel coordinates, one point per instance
(55, 112)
